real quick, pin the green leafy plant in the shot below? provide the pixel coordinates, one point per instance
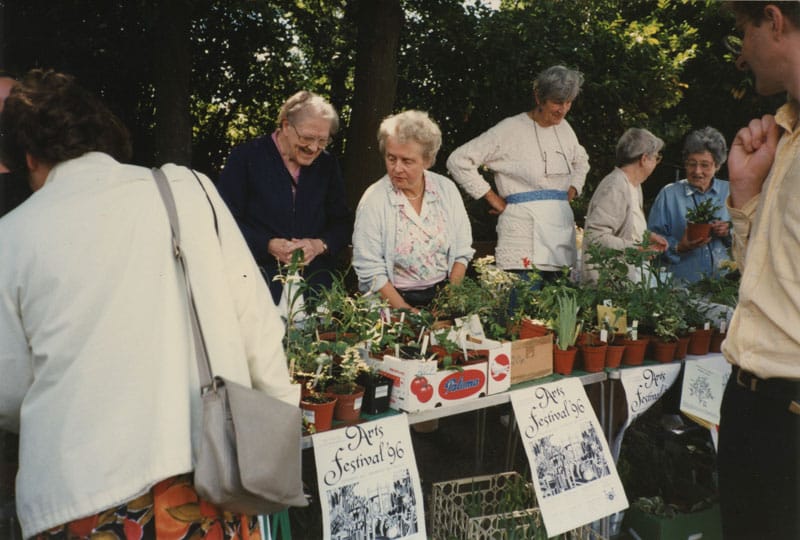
(346, 371)
(567, 325)
(703, 212)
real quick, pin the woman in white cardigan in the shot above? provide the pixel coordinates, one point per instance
(615, 217)
(412, 234)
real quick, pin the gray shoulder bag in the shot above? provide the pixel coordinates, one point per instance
(250, 449)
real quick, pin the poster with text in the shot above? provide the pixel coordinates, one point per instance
(369, 486)
(643, 386)
(703, 385)
(574, 475)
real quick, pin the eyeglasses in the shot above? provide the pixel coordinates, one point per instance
(308, 140)
(733, 44)
(704, 165)
(556, 165)
(658, 157)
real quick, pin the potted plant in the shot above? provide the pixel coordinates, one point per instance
(699, 218)
(343, 385)
(615, 348)
(567, 330)
(317, 406)
(593, 352)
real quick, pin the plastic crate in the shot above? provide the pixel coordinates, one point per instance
(451, 500)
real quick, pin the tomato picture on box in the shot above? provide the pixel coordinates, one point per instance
(419, 385)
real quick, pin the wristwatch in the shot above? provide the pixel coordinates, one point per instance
(324, 246)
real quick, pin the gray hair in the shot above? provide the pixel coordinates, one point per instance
(412, 126)
(557, 83)
(305, 104)
(635, 143)
(708, 140)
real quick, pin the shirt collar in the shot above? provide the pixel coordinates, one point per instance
(788, 115)
(397, 197)
(690, 190)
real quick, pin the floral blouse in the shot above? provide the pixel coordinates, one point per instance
(421, 242)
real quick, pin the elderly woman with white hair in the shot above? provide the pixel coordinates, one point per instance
(615, 217)
(287, 193)
(539, 166)
(704, 152)
(412, 234)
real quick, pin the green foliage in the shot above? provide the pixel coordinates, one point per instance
(704, 212)
(722, 289)
(567, 326)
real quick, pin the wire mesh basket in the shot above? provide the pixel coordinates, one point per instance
(492, 507)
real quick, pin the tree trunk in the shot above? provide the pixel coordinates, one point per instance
(379, 25)
(172, 80)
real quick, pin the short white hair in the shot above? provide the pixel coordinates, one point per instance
(409, 126)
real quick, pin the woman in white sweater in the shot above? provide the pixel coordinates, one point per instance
(538, 166)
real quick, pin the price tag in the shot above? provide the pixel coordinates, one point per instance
(723, 326)
(604, 335)
(707, 326)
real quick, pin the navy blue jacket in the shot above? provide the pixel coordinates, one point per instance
(258, 190)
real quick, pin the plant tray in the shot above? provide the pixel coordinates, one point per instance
(451, 501)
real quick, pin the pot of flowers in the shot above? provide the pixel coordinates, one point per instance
(667, 324)
(594, 353)
(317, 410)
(700, 340)
(635, 348)
(718, 335)
(615, 348)
(699, 218)
(567, 330)
(349, 395)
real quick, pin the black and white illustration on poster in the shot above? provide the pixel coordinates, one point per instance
(703, 385)
(643, 387)
(369, 487)
(576, 481)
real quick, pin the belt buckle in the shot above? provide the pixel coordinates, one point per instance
(753, 386)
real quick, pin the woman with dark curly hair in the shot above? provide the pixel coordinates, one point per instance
(99, 377)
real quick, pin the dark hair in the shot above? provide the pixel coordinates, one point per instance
(49, 116)
(754, 11)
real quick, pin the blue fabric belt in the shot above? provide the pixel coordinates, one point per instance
(538, 195)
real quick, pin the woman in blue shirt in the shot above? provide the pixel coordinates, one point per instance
(704, 152)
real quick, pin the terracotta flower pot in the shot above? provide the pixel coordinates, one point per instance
(683, 345)
(319, 415)
(530, 329)
(699, 342)
(614, 355)
(564, 360)
(664, 351)
(348, 406)
(697, 231)
(594, 357)
(715, 345)
(634, 351)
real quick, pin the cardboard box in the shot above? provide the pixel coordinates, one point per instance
(419, 385)
(703, 525)
(531, 358)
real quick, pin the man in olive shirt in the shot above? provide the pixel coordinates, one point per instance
(759, 438)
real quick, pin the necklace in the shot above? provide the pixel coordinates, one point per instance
(543, 155)
(416, 197)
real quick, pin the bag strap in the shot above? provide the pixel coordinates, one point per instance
(203, 363)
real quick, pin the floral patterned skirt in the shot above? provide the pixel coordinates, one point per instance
(171, 510)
